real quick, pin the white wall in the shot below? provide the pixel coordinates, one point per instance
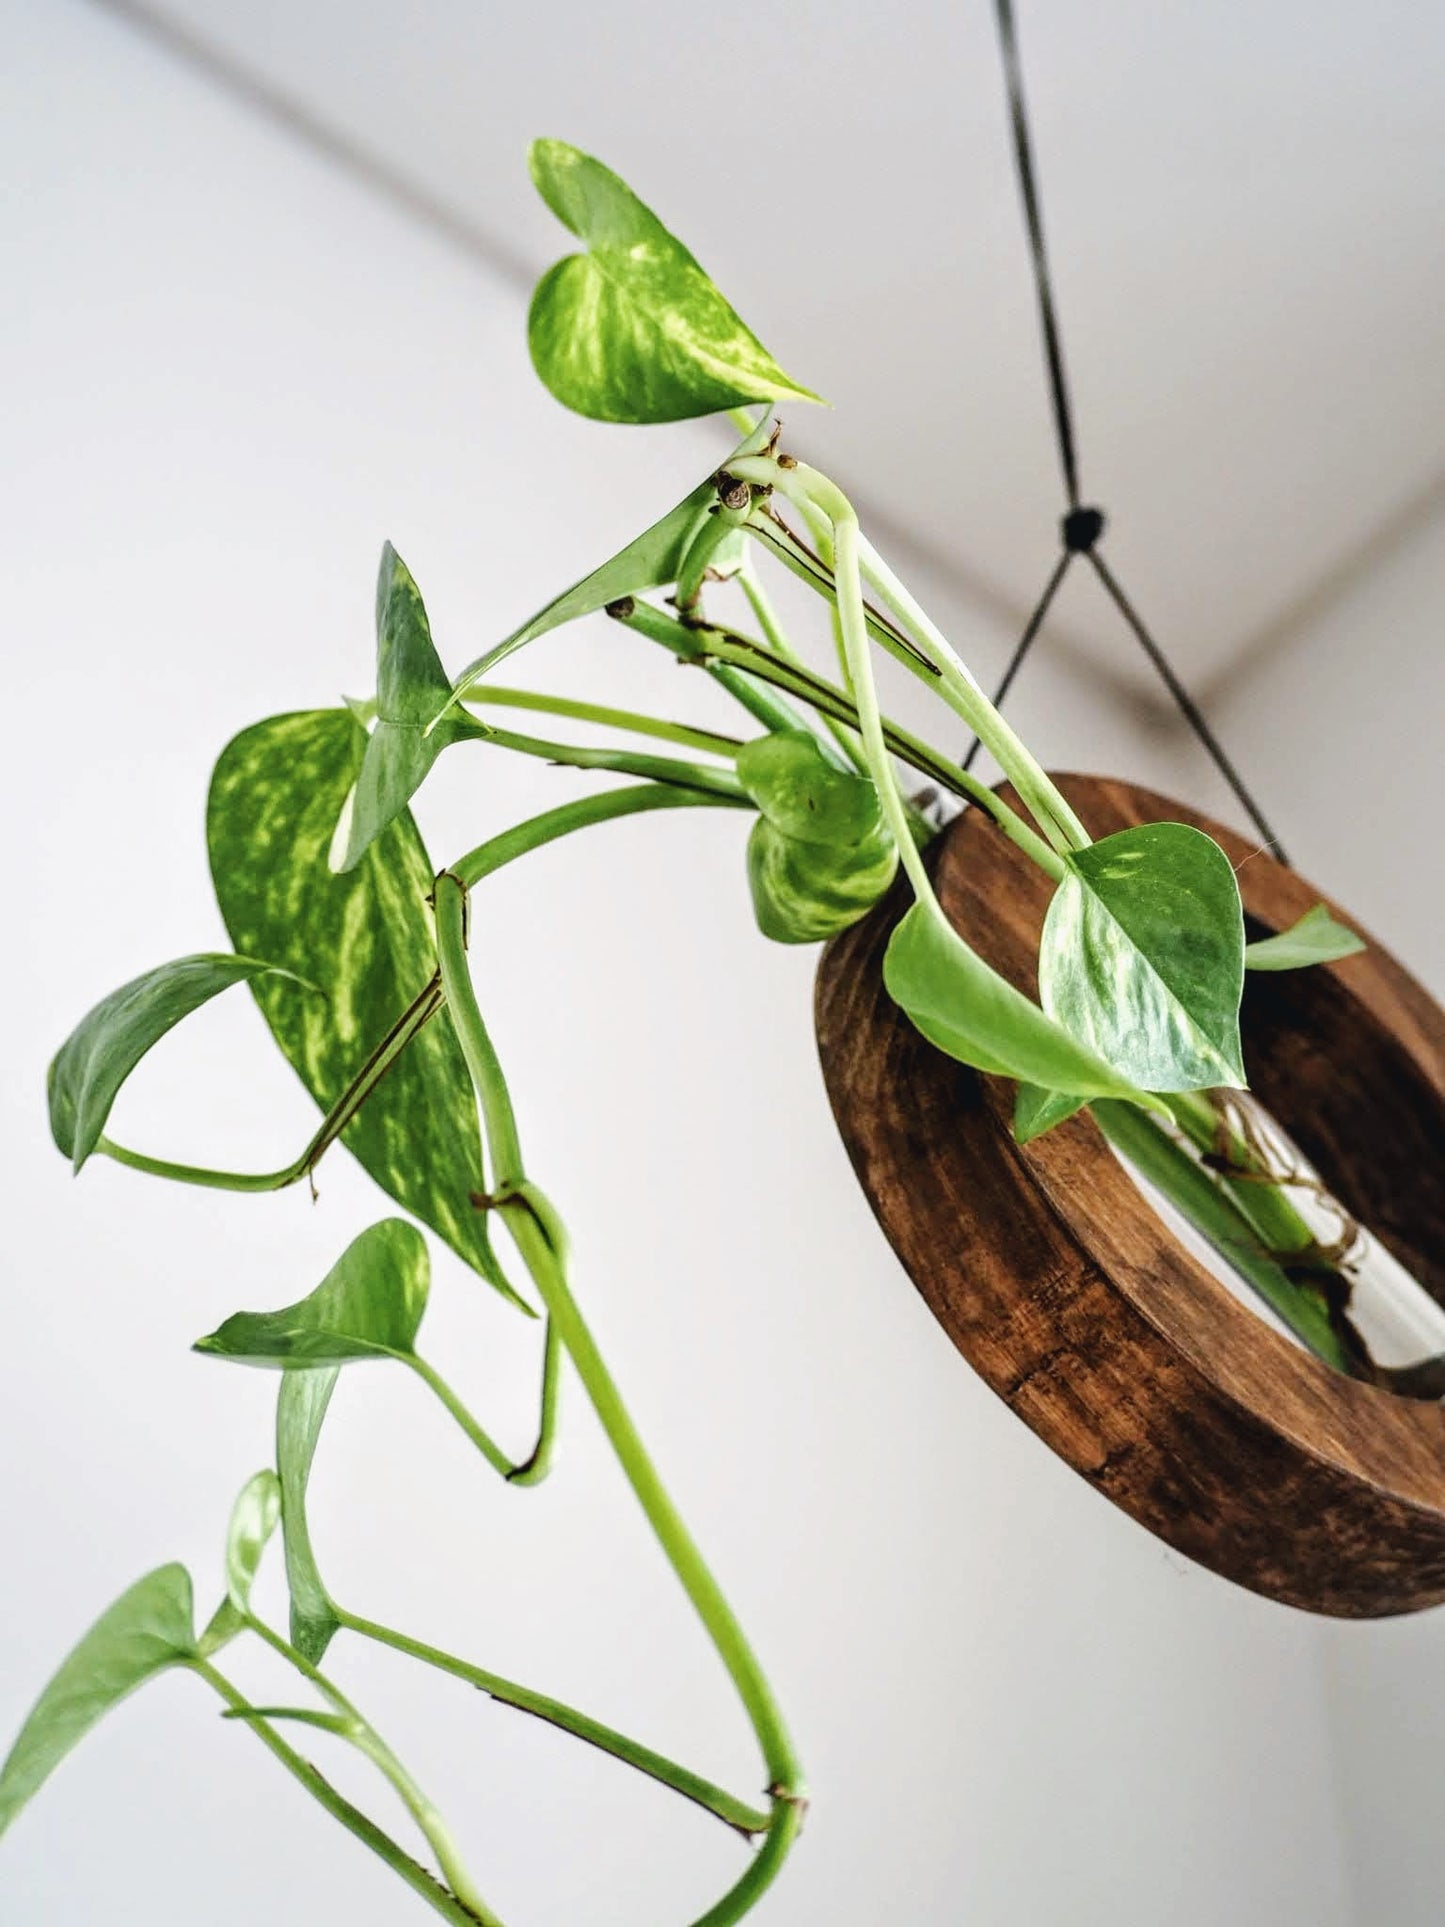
(232, 374)
(1345, 718)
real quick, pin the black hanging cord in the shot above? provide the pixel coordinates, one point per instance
(1187, 705)
(1082, 527)
(1043, 280)
(1024, 644)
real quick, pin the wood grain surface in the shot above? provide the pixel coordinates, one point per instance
(1080, 1308)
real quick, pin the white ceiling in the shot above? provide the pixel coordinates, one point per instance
(1244, 206)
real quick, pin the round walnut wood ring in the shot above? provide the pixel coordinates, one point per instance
(1065, 1291)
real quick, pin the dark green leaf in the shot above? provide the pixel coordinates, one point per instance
(411, 688)
(633, 330)
(106, 1045)
(1037, 1111)
(1317, 938)
(968, 1010)
(369, 1305)
(366, 939)
(147, 1629)
(300, 1409)
(653, 561)
(1142, 957)
(253, 1520)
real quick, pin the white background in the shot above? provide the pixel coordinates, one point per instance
(231, 372)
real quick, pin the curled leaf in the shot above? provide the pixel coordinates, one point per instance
(147, 1630)
(253, 1520)
(633, 330)
(369, 1305)
(88, 1070)
(819, 855)
(300, 1410)
(1317, 938)
(1037, 1111)
(411, 687)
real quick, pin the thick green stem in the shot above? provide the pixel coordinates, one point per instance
(954, 683)
(692, 1786)
(522, 838)
(1257, 1192)
(416, 1876)
(719, 783)
(1212, 1209)
(774, 634)
(961, 691)
(539, 1238)
(687, 643)
(829, 699)
(795, 555)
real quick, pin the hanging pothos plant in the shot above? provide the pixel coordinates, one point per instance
(354, 944)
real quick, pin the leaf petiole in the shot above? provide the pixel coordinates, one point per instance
(416, 1876)
(716, 1800)
(709, 742)
(358, 1731)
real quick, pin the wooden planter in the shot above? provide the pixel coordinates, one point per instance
(1073, 1300)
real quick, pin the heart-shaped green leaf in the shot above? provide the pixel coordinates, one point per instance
(805, 795)
(653, 560)
(366, 939)
(411, 689)
(147, 1630)
(1317, 938)
(1037, 1111)
(967, 1009)
(253, 1520)
(819, 855)
(633, 330)
(369, 1305)
(88, 1070)
(808, 892)
(300, 1410)
(1142, 957)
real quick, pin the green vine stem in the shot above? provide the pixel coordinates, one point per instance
(524, 1472)
(495, 696)
(581, 814)
(541, 1242)
(685, 641)
(719, 783)
(828, 699)
(761, 604)
(416, 1876)
(744, 1819)
(418, 1012)
(1206, 1204)
(799, 483)
(358, 1731)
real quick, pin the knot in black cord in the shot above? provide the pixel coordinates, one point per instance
(1081, 529)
